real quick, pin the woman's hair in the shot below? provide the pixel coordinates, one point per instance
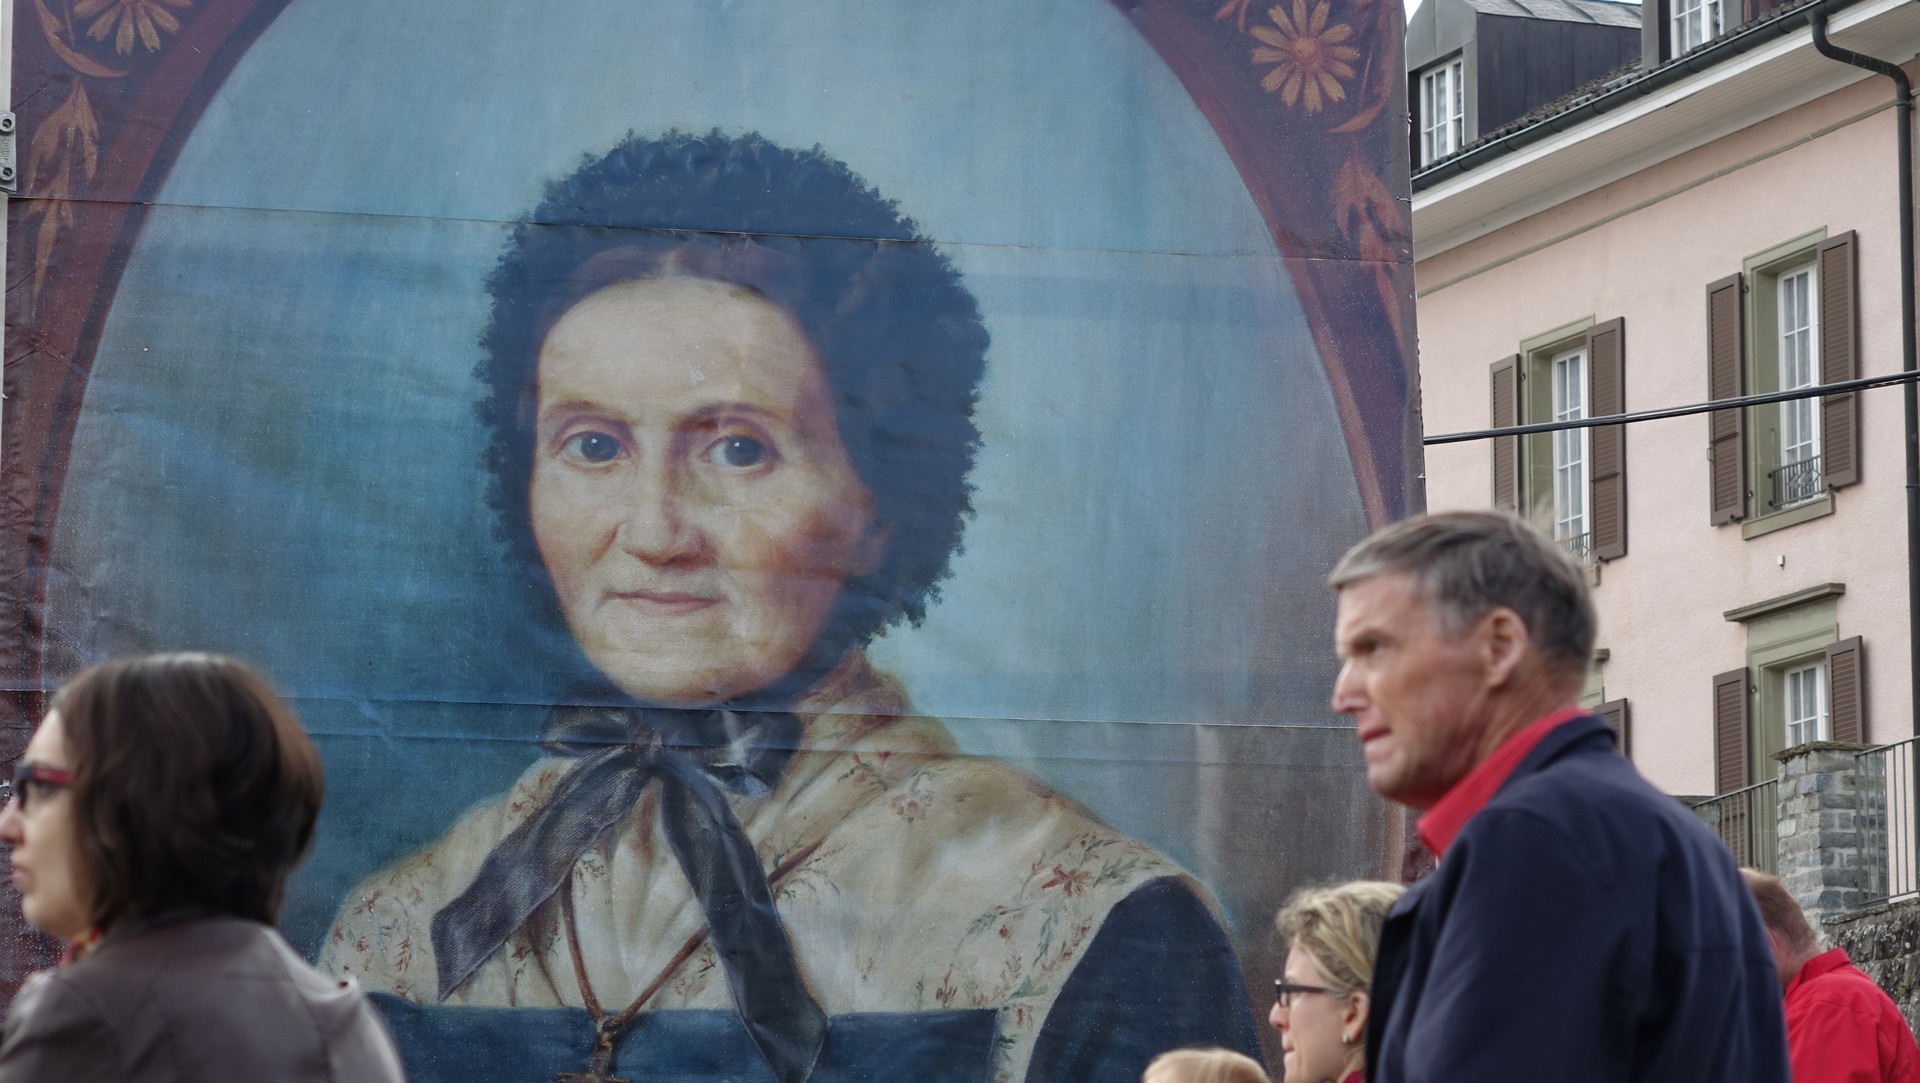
(900, 339)
(1204, 1066)
(1339, 929)
(193, 785)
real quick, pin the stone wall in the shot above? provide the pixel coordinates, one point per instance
(1884, 941)
(1821, 829)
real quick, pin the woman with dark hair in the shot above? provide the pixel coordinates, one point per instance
(730, 392)
(152, 823)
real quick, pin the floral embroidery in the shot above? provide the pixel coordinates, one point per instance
(871, 770)
(1309, 56)
(917, 798)
(695, 976)
(1069, 881)
(127, 18)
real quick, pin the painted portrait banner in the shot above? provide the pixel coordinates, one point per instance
(798, 530)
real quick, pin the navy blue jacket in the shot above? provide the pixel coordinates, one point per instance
(1584, 926)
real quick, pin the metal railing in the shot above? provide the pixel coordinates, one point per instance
(1580, 545)
(1748, 821)
(1883, 782)
(1797, 481)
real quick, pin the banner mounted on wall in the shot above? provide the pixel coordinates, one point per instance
(799, 531)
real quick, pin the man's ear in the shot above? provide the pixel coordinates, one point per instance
(1504, 643)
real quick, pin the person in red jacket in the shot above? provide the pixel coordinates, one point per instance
(1841, 1028)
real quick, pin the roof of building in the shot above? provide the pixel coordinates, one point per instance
(1611, 83)
(1600, 12)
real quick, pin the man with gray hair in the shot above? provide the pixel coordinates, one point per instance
(1580, 925)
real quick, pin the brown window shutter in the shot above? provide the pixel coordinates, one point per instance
(1505, 379)
(1839, 360)
(1730, 733)
(1616, 714)
(1726, 378)
(1846, 691)
(1607, 362)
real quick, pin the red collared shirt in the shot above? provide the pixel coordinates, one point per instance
(1449, 815)
(1842, 1029)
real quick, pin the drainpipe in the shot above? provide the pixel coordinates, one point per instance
(1903, 115)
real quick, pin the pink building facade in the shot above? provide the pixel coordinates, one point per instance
(1722, 223)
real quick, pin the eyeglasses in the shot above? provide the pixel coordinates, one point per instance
(34, 780)
(1285, 991)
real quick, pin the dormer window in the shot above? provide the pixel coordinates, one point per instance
(1443, 111)
(1695, 22)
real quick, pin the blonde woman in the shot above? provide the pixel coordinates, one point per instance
(1320, 1004)
(1204, 1066)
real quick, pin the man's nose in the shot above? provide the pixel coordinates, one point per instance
(1346, 690)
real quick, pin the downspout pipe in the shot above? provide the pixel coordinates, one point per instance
(1903, 115)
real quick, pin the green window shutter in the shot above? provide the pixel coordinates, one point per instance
(1839, 360)
(1607, 361)
(1726, 378)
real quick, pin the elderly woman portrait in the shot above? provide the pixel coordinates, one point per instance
(730, 390)
(151, 826)
(1320, 1003)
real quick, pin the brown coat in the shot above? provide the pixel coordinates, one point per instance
(194, 1000)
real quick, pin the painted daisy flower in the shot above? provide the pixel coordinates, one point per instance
(1309, 56)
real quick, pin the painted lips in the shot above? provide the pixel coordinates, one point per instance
(663, 603)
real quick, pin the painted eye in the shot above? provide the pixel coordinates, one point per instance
(594, 447)
(738, 452)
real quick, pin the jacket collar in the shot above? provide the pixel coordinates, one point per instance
(1824, 963)
(1448, 817)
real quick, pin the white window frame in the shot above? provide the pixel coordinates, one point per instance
(1443, 110)
(1572, 459)
(1696, 22)
(1804, 704)
(1798, 351)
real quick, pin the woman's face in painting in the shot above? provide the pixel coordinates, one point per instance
(690, 495)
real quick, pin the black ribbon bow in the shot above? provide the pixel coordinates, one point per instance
(697, 756)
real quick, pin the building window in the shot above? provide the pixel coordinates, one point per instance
(1789, 321)
(1695, 22)
(1571, 483)
(1569, 511)
(1801, 683)
(1797, 477)
(1443, 111)
(1805, 703)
